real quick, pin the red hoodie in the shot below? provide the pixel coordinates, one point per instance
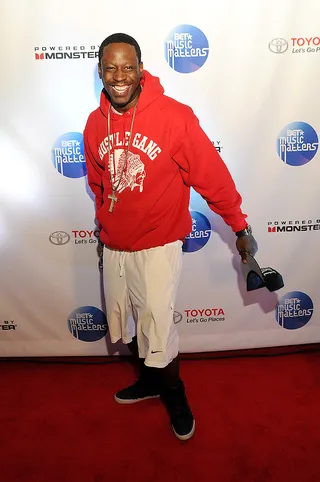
(168, 154)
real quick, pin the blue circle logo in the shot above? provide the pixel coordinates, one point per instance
(297, 144)
(294, 310)
(186, 49)
(200, 234)
(88, 323)
(68, 155)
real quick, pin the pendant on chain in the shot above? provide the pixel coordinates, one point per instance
(113, 198)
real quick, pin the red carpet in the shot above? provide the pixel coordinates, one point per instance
(257, 421)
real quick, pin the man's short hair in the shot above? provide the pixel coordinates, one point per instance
(120, 38)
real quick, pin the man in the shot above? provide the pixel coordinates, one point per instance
(144, 151)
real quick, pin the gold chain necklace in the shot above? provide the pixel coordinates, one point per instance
(113, 198)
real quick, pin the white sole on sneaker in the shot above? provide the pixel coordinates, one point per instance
(188, 435)
(129, 402)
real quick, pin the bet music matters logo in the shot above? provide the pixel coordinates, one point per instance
(297, 143)
(200, 234)
(186, 49)
(294, 310)
(68, 155)
(88, 323)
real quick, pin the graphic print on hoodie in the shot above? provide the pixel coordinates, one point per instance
(168, 153)
(134, 169)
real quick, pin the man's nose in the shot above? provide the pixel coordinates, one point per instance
(119, 75)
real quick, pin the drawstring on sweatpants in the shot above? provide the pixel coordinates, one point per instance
(121, 263)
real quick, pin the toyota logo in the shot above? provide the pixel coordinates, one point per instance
(278, 45)
(59, 238)
(177, 317)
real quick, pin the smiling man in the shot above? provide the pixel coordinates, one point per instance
(144, 151)
(120, 70)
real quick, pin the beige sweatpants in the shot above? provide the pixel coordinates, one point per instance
(140, 292)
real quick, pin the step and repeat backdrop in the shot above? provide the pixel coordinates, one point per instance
(250, 71)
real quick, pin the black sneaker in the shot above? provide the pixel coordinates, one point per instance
(140, 390)
(181, 417)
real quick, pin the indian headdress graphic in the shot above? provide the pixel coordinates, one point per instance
(134, 172)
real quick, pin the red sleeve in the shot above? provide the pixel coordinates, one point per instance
(203, 169)
(95, 172)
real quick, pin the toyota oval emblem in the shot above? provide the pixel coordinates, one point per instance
(59, 238)
(278, 45)
(177, 317)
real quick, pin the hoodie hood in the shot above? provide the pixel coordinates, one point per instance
(151, 91)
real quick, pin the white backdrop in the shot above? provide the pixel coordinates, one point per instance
(250, 90)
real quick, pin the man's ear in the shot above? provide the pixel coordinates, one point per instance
(141, 68)
(99, 71)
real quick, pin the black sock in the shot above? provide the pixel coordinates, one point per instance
(166, 378)
(133, 347)
(137, 363)
(169, 375)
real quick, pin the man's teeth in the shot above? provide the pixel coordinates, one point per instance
(121, 89)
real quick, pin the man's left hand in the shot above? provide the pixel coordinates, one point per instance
(246, 245)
